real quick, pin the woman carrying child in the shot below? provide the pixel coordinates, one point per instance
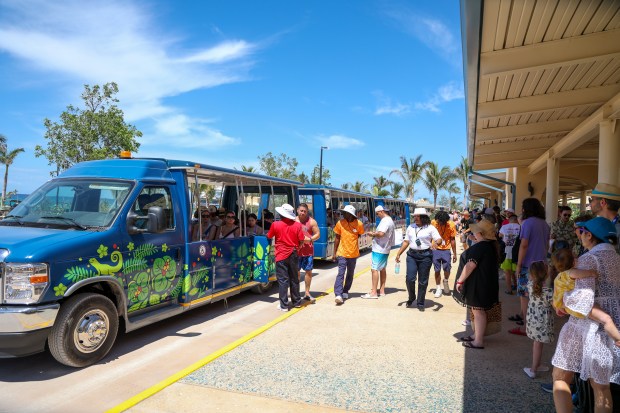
(583, 346)
(539, 315)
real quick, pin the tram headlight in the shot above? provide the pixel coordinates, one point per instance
(24, 283)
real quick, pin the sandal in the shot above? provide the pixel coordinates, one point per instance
(515, 317)
(465, 339)
(469, 344)
(517, 331)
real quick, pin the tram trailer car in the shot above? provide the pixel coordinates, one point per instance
(108, 245)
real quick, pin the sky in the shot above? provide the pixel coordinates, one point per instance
(222, 82)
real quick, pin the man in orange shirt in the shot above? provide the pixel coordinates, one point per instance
(347, 231)
(441, 253)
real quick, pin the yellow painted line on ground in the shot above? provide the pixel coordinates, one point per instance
(127, 404)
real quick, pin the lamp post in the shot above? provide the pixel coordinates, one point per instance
(321, 166)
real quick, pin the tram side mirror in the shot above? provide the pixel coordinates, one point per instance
(155, 222)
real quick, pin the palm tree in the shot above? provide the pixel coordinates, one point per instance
(462, 172)
(436, 179)
(396, 188)
(346, 185)
(453, 188)
(303, 178)
(7, 159)
(410, 172)
(2, 143)
(249, 169)
(359, 186)
(380, 183)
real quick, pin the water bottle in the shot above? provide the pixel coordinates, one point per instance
(397, 268)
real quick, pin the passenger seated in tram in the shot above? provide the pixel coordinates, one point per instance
(252, 227)
(209, 224)
(268, 218)
(230, 229)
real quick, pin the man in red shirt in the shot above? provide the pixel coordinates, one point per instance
(289, 237)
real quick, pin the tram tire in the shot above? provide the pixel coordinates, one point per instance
(262, 288)
(64, 339)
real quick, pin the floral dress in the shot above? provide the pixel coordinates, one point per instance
(540, 315)
(583, 346)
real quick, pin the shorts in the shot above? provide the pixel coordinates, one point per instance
(306, 263)
(508, 265)
(522, 282)
(379, 261)
(442, 258)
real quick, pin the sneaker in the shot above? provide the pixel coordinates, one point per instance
(421, 308)
(547, 387)
(285, 310)
(309, 298)
(529, 373)
(465, 323)
(339, 300)
(438, 292)
(345, 295)
(298, 305)
(446, 287)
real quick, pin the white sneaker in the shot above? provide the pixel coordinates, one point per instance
(282, 309)
(345, 296)
(339, 300)
(438, 292)
(466, 323)
(528, 371)
(446, 287)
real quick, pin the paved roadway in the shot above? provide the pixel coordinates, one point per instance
(368, 355)
(139, 359)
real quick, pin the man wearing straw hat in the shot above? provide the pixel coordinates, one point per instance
(346, 248)
(289, 237)
(605, 202)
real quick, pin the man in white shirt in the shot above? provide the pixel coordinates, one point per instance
(383, 239)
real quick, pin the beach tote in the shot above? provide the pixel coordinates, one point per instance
(494, 320)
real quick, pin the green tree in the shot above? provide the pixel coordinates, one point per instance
(2, 142)
(303, 178)
(6, 158)
(378, 189)
(395, 189)
(97, 131)
(314, 177)
(346, 185)
(453, 188)
(410, 173)
(359, 186)
(462, 173)
(251, 169)
(436, 179)
(282, 166)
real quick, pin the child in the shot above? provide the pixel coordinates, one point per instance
(539, 325)
(564, 261)
(509, 233)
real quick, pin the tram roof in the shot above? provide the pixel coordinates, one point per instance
(539, 77)
(334, 189)
(224, 174)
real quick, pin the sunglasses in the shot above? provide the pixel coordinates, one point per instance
(205, 215)
(582, 230)
(566, 215)
(230, 216)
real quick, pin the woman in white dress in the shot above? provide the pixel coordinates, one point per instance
(583, 346)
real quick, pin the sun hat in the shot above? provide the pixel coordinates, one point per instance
(601, 228)
(466, 213)
(609, 191)
(380, 208)
(420, 211)
(350, 209)
(286, 211)
(484, 227)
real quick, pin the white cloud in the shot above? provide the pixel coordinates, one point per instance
(385, 106)
(99, 42)
(432, 32)
(340, 142)
(181, 130)
(445, 93)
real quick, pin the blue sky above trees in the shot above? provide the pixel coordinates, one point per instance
(224, 82)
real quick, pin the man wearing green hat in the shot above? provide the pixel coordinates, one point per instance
(605, 202)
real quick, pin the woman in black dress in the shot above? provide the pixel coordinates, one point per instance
(478, 284)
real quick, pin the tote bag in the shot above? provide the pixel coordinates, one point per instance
(494, 320)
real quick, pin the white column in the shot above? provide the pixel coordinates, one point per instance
(582, 201)
(553, 184)
(609, 152)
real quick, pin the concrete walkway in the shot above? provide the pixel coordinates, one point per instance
(368, 356)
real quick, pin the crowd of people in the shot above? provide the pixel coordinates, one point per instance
(570, 268)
